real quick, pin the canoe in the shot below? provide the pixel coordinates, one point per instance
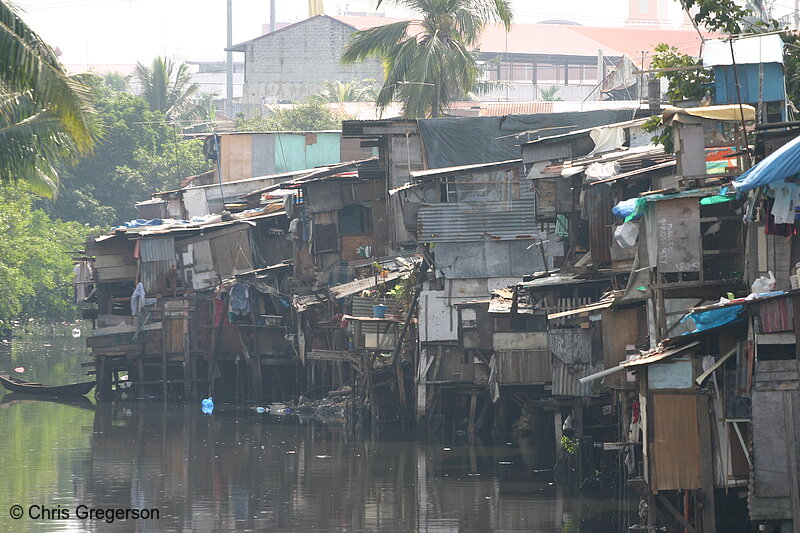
(20, 385)
(14, 398)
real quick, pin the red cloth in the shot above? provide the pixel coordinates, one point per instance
(220, 313)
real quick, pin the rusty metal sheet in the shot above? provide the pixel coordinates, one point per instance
(600, 200)
(775, 315)
(154, 274)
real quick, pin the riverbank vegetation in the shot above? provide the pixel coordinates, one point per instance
(35, 261)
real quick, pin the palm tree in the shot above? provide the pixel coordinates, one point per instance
(428, 63)
(349, 91)
(168, 87)
(549, 94)
(44, 113)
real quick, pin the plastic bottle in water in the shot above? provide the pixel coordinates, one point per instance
(208, 406)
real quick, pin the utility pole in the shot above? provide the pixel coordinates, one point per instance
(229, 77)
(272, 22)
(796, 14)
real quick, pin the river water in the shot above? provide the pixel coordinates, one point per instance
(241, 471)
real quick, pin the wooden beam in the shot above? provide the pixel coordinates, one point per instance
(674, 513)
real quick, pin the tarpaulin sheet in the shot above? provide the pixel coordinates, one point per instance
(781, 164)
(730, 112)
(713, 318)
(471, 140)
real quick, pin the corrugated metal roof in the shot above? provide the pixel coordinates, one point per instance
(418, 174)
(658, 355)
(558, 279)
(499, 220)
(584, 131)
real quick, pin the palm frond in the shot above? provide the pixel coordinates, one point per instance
(375, 42)
(28, 63)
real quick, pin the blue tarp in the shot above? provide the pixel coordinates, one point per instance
(713, 318)
(781, 164)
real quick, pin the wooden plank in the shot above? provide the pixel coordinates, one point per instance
(620, 329)
(666, 504)
(335, 356)
(676, 442)
(791, 401)
(708, 516)
(678, 237)
(114, 261)
(770, 463)
(116, 273)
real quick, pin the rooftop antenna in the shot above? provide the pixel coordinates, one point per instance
(272, 22)
(229, 65)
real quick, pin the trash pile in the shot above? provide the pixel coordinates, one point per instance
(334, 407)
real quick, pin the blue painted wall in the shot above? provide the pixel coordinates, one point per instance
(725, 83)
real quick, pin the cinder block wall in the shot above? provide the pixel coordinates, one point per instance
(292, 63)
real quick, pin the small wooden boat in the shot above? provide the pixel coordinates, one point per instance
(14, 398)
(20, 385)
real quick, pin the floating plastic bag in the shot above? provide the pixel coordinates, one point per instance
(626, 234)
(207, 406)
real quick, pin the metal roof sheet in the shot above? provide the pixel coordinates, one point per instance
(658, 355)
(463, 222)
(419, 174)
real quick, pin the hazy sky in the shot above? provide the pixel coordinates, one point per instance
(125, 31)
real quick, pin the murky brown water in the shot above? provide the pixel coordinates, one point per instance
(240, 471)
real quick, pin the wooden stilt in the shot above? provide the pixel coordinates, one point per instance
(473, 402)
(708, 507)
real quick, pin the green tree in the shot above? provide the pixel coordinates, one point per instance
(311, 115)
(348, 91)
(137, 156)
(681, 84)
(167, 87)
(35, 265)
(428, 63)
(44, 114)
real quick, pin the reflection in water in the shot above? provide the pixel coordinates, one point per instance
(238, 470)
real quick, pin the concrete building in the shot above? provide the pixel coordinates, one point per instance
(293, 62)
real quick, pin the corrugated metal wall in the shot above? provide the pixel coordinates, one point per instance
(458, 222)
(157, 249)
(521, 367)
(566, 378)
(157, 262)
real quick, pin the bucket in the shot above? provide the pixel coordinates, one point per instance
(379, 311)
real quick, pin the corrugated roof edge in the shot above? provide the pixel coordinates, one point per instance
(574, 133)
(418, 174)
(313, 175)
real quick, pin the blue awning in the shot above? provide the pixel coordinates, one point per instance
(781, 164)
